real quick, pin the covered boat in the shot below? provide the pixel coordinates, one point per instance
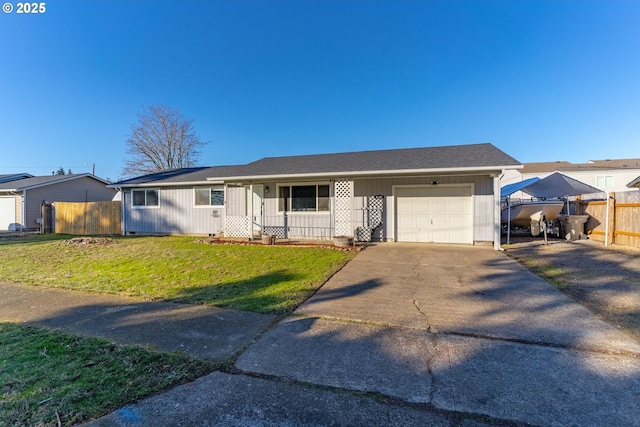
(521, 213)
(548, 198)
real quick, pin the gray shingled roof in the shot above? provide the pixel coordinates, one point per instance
(452, 157)
(179, 176)
(480, 156)
(38, 181)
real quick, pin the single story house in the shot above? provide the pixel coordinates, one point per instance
(22, 195)
(434, 194)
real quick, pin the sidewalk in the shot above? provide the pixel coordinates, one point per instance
(200, 331)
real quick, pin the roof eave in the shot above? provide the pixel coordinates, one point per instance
(634, 184)
(375, 173)
(58, 181)
(159, 184)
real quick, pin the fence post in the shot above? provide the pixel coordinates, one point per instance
(610, 218)
(578, 205)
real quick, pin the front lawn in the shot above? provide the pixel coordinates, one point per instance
(265, 279)
(48, 378)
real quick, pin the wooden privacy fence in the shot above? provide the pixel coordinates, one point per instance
(616, 220)
(88, 218)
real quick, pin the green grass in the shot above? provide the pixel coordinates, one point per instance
(49, 378)
(272, 279)
(553, 275)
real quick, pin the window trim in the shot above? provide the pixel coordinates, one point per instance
(210, 188)
(303, 184)
(604, 178)
(145, 206)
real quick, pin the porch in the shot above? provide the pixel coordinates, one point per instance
(319, 210)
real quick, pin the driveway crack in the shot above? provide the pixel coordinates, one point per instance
(417, 306)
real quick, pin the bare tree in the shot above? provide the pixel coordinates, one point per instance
(161, 139)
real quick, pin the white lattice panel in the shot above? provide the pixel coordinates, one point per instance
(343, 194)
(237, 226)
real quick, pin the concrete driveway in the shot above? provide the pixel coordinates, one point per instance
(420, 335)
(458, 328)
(466, 290)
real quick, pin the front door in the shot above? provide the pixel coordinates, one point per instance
(255, 207)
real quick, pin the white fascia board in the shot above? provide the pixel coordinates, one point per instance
(164, 184)
(378, 173)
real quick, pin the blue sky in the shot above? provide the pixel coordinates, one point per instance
(541, 80)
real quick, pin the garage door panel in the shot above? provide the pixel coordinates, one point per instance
(405, 208)
(439, 221)
(428, 214)
(457, 206)
(421, 206)
(458, 236)
(438, 205)
(422, 221)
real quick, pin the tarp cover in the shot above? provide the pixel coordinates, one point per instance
(553, 186)
(509, 189)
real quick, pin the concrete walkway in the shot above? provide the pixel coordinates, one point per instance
(204, 332)
(417, 335)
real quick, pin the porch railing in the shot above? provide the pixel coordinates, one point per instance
(299, 226)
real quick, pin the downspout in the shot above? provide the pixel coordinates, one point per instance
(606, 221)
(508, 219)
(251, 216)
(496, 211)
(123, 212)
(24, 210)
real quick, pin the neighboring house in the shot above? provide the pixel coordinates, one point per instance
(436, 194)
(635, 183)
(21, 198)
(14, 177)
(606, 175)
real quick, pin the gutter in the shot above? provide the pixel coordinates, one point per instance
(383, 173)
(160, 184)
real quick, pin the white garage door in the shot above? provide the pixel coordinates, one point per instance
(7, 213)
(434, 214)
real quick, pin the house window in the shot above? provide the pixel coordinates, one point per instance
(605, 181)
(303, 198)
(144, 198)
(213, 196)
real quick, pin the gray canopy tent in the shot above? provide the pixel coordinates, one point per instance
(554, 186)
